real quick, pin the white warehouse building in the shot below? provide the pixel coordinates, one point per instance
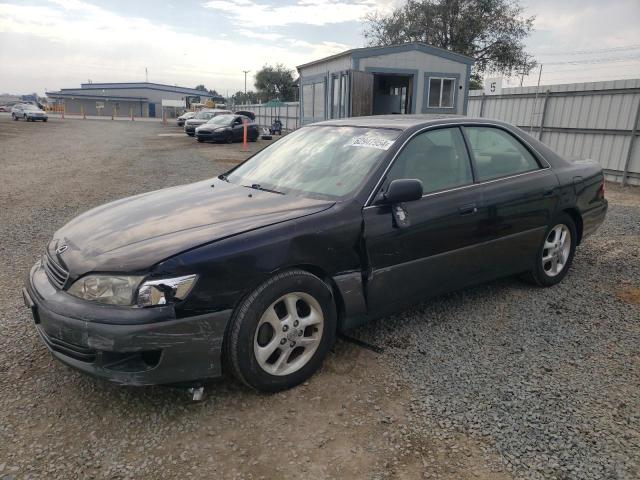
(407, 78)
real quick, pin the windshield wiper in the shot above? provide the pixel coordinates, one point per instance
(257, 186)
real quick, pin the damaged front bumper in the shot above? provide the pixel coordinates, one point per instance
(132, 346)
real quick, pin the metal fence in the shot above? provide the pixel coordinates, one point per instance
(597, 120)
(288, 113)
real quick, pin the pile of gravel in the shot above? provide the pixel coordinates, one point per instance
(547, 378)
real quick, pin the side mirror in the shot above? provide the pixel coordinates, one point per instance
(403, 190)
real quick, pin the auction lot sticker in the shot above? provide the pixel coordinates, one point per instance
(371, 142)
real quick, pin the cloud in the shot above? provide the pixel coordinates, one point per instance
(308, 12)
(260, 35)
(67, 42)
(586, 26)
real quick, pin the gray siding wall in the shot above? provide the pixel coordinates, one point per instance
(154, 96)
(425, 64)
(334, 65)
(420, 64)
(596, 120)
(76, 107)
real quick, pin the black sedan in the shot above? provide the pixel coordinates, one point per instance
(200, 118)
(227, 128)
(335, 224)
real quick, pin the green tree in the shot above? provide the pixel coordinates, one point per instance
(491, 31)
(202, 88)
(275, 82)
(240, 98)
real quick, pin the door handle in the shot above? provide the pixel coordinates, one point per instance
(468, 209)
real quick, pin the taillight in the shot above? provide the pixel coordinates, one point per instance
(601, 191)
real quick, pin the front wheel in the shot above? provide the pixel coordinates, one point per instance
(280, 334)
(15, 117)
(555, 255)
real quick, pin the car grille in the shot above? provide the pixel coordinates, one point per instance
(56, 273)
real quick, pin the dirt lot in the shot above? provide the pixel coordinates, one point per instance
(499, 381)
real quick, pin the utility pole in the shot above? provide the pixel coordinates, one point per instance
(245, 81)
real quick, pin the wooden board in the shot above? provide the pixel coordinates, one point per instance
(361, 93)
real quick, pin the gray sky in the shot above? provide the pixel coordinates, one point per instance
(52, 44)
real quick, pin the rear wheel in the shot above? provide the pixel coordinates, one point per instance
(555, 255)
(281, 333)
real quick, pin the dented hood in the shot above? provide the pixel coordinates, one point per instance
(135, 233)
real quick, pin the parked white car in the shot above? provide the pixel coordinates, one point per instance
(28, 112)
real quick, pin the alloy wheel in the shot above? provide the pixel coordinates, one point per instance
(556, 250)
(288, 333)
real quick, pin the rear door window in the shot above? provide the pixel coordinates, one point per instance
(498, 153)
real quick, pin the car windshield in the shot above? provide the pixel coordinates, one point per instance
(203, 115)
(221, 120)
(320, 162)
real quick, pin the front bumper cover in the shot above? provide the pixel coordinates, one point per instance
(210, 135)
(132, 346)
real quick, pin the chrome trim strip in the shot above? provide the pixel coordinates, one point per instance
(543, 169)
(538, 156)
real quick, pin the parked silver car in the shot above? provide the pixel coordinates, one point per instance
(184, 117)
(28, 112)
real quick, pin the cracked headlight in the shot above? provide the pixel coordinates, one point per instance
(166, 290)
(107, 289)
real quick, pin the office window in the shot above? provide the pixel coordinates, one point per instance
(307, 102)
(335, 104)
(318, 101)
(343, 96)
(441, 92)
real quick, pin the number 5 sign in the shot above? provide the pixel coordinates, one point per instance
(493, 86)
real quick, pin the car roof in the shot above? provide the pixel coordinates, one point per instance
(404, 122)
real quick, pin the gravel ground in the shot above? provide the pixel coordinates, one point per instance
(496, 382)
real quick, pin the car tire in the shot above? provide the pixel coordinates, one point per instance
(45, 119)
(200, 140)
(265, 348)
(555, 254)
(15, 118)
(26, 119)
(228, 138)
(191, 134)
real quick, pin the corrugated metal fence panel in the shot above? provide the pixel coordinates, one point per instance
(610, 151)
(601, 113)
(288, 114)
(606, 111)
(517, 111)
